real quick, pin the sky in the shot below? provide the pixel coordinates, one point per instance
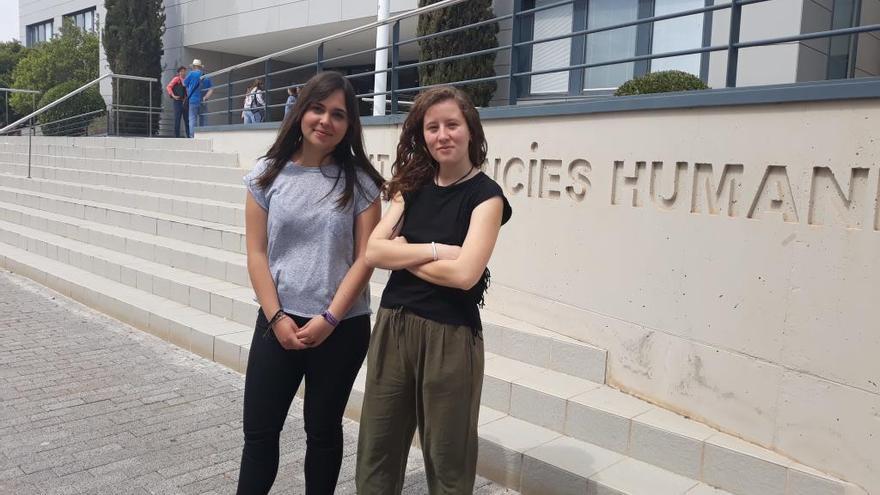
(8, 20)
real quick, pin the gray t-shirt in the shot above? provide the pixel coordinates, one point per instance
(311, 241)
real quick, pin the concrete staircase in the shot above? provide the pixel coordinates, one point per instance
(151, 232)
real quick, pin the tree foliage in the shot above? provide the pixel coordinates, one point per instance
(75, 113)
(133, 43)
(71, 57)
(461, 42)
(11, 52)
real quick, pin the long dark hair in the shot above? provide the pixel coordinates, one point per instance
(414, 165)
(349, 153)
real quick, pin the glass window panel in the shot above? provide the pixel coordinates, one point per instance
(677, 34)
(610, 45)
(552, 54)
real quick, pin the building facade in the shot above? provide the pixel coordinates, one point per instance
(223, 33)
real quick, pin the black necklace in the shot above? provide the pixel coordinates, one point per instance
(437, 182)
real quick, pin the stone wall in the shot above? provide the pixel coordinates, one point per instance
(727, 258)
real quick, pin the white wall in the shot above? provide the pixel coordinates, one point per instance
(756, 314)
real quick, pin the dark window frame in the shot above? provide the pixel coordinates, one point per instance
(32, 29)
(844, 14)
(580, 14)
(72, 16)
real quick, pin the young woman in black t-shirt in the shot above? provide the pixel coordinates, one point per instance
(425, 363)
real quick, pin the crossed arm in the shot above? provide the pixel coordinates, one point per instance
(457, 267)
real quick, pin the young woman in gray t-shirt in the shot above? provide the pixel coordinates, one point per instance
(311, 205)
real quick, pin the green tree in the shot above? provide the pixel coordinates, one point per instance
(461, 42)
(11, 52)
(133, 42)
(71, 56)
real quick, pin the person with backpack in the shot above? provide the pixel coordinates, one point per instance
(254, 103)
(176, 89)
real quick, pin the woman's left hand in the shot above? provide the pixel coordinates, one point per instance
(315, 331)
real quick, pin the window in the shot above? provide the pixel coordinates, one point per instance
(40, 32)
(670, 35)
(842, 48)
(84, 20)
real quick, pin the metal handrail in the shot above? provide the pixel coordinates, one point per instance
(15, 90)
(71, 95)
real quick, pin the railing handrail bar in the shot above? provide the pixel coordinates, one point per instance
(71, 95)
(366, 27)
(15, 90)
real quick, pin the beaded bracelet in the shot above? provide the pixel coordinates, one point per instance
(276, 317)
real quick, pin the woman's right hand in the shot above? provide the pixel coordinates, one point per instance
(285, 332)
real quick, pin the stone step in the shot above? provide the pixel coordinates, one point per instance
(207, 210)
(211, 280)
(208, 294)
(230, 193)
(661, 446)
(191, 157)
(203, 260)
(209, 336)
(529, 344)
(113, 142)
(211, 234)
(205, 173)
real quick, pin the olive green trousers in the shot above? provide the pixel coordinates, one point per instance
(423, 374)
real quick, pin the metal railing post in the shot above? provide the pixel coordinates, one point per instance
(30, 138)
(266, 88)
(732, 49)
(319, 65)
(118, 102)
(150, 110)
(395, 61)
(229, 97)
(6, 115)
(512, 89)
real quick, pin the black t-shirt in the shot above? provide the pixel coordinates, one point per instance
(442, 214)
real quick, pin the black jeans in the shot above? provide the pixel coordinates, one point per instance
(273, 376)
(180, 112)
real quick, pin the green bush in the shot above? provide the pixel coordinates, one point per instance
(666, 81)
(88, 101)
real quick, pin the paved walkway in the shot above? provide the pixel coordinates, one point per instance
(91, 405)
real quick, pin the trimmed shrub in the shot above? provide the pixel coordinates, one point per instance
(85, 102)
(666, 81)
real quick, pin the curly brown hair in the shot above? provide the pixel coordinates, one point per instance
(414, 165)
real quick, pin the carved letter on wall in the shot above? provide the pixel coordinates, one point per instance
(548, 181)
(775, 195)
(720, 198)
(631, 182)
(577, 171)
(668, 201)
(847, 210)
(517, 186)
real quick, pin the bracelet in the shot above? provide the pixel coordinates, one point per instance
(328, 316)
(434, 250)
(276, 317)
